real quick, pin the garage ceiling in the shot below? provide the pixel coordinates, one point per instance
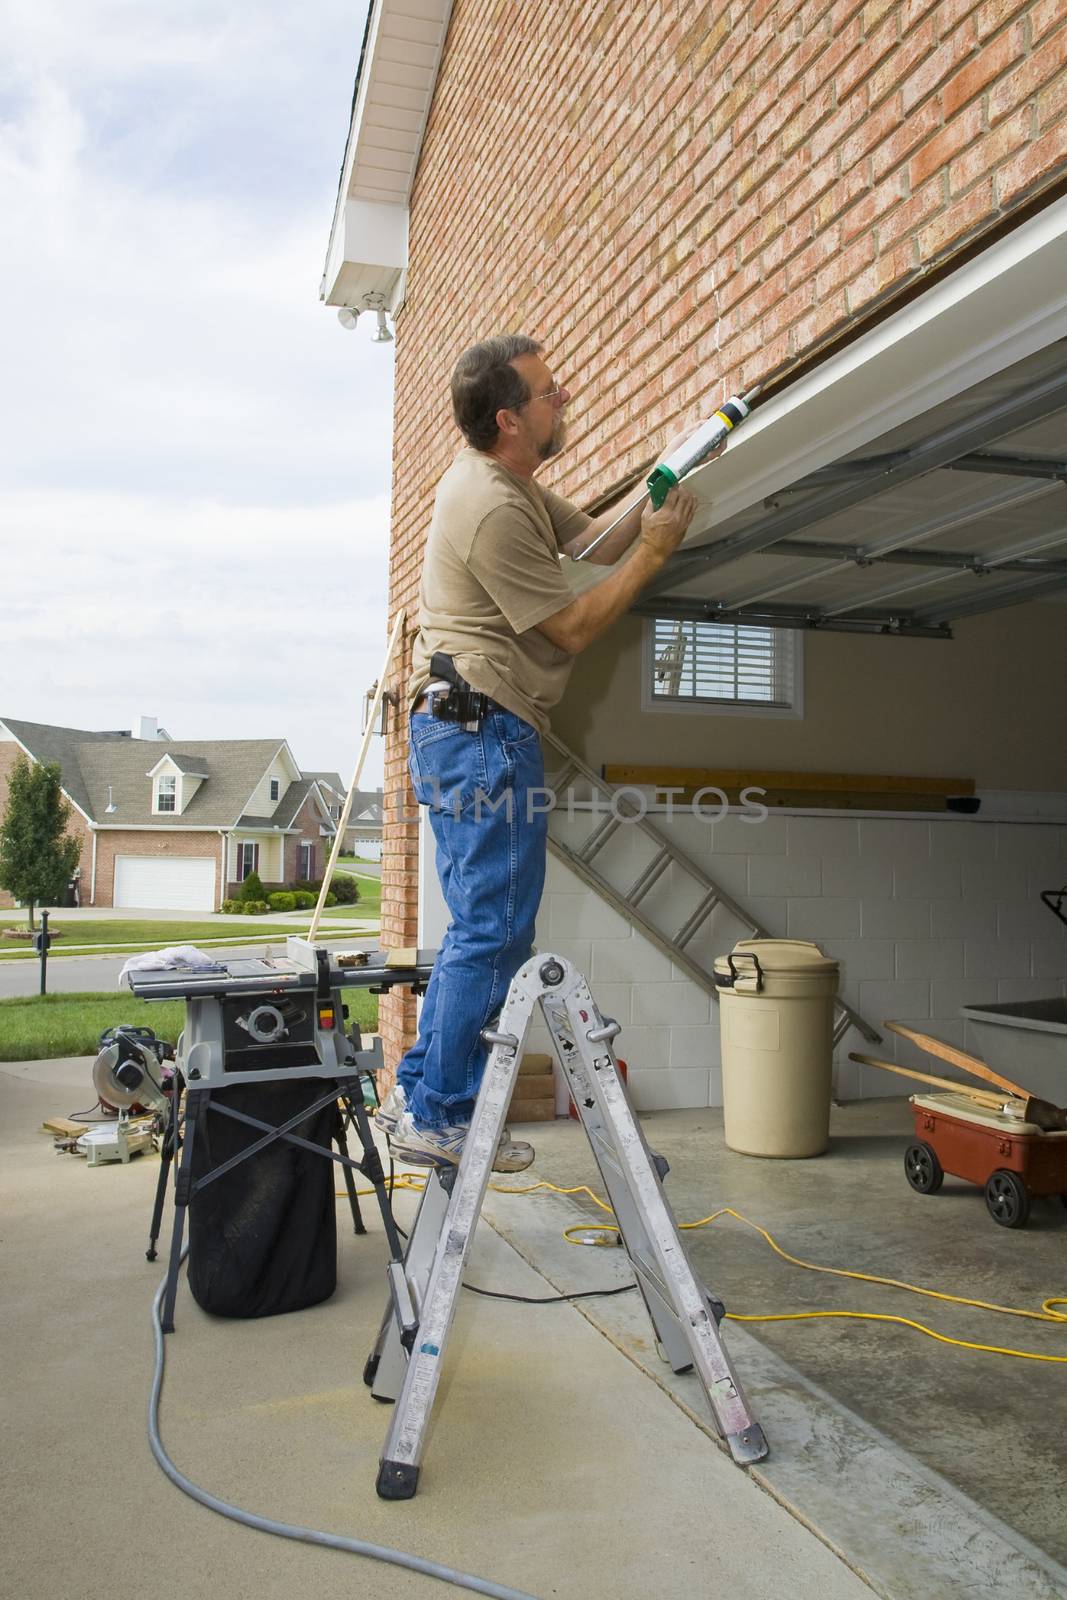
(959, 511)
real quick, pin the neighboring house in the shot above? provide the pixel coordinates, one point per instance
(864, 207)
(363, 831)
(178, 825)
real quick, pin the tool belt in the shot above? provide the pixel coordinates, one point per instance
(460, 702)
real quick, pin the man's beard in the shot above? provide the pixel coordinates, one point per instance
(555, 442)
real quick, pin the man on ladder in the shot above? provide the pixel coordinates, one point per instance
(499, 628)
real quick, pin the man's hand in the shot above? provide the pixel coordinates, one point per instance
(663, 530)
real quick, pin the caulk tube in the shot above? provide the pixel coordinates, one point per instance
(699, 445)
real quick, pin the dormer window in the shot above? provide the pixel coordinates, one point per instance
(166, 793)
(275, 788)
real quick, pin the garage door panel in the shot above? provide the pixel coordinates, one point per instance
(152, 883)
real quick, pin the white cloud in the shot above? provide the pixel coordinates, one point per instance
(193, 508)
(224, 621)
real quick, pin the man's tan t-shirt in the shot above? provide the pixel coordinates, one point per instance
(491, 574)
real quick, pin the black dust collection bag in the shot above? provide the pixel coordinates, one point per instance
(263, 1237)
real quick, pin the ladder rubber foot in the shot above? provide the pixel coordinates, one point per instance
(370, 1370)
(748, 1446)
(397, 1480)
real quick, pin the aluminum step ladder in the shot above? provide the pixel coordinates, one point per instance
(405, 1363)
(629, 902)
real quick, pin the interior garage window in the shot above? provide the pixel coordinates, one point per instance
(167, 794)
(723, 664)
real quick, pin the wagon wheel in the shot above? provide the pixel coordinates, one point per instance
(922, 1168)
(1007, 1199)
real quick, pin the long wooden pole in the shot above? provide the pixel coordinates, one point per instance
(398, 628)
(983, 1097)
(958, 1058)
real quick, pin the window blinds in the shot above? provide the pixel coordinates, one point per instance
(721, 662)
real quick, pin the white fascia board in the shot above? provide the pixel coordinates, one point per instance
(1005, 304)
(367, 252)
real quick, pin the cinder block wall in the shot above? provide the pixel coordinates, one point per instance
(924, 915)
(681, 199)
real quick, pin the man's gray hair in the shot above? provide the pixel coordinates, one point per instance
(484, 382)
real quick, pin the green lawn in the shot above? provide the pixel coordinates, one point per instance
(106, 935)
(119, 931)
(41, 1026)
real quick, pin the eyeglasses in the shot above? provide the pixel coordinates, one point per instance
(550, 394)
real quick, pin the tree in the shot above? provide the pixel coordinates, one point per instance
(37, 858)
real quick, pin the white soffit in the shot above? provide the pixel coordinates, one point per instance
(398, 71)
(1005, 304)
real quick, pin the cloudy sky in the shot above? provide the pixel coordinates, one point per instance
(194, 455)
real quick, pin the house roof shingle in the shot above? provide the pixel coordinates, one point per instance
(96, 765)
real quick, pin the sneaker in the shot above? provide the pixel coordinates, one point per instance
(426, 1147)
(391, 1109)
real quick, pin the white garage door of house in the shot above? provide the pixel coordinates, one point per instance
(153, 884)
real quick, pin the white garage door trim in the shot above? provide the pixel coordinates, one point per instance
(155, 883)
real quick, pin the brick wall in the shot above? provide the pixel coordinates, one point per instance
(683, 199)
(120, 842)
(77, 828)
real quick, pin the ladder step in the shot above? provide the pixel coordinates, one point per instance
(650, 876)
(598, 838)
(699, 917)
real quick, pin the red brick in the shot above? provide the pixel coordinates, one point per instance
(954, 137)
(908, 217)
(1049, 61)
(980, 72)
(883, 42)
(988, 153)
(991, 17)
(919, 126)
(1033, 166)
(1052, 103)
(1045, 16)
(956, 221)
(862, 216)
(931, 72)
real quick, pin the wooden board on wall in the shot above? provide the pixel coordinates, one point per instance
(830, 791)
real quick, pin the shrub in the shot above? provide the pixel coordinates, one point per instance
(345, 887)
(331, 899)
(252, 888)
(305, 900)
(254, 908)
(282, 901)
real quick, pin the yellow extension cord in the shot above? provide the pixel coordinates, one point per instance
(1048, 1313)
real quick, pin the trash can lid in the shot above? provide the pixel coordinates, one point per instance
(781, 955)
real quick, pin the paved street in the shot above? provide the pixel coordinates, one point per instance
(96, 974)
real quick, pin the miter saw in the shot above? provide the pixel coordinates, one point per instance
(127, 1073)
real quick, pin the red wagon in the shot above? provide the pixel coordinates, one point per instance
(1010, 1160)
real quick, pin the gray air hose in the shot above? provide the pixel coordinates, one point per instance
(287, 1530)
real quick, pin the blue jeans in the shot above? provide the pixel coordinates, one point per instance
(490, 832)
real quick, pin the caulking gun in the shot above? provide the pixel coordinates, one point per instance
(667, 474)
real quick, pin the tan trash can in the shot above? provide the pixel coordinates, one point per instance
(776, 1018)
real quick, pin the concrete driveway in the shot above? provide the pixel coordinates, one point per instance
(554, 1463)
